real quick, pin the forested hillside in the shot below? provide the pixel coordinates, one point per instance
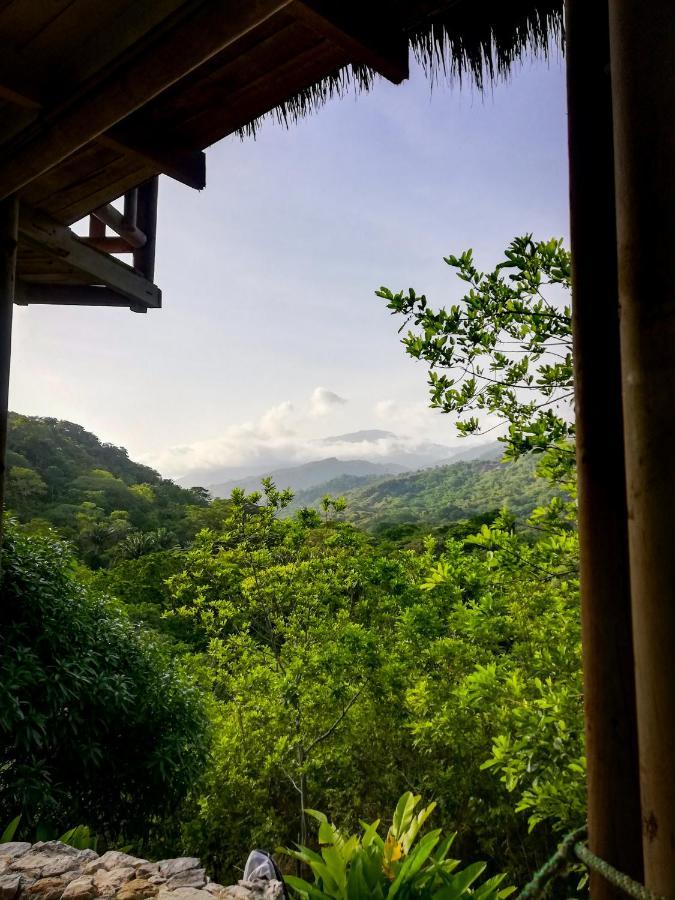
(436, 496)
(62, 475)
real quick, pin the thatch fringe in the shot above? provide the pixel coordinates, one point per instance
(475, 39)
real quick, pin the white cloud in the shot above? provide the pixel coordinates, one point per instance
(323, 401)
(278, 437)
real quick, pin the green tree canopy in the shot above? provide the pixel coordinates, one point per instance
(97, 724)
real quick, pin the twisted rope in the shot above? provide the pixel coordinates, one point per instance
(571, 850)
(558, 865)
(627, 884)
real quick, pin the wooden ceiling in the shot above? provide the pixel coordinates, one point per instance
(98, 96)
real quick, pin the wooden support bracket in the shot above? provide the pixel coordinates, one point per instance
(367, 38)
(72, 295)
(99, 267)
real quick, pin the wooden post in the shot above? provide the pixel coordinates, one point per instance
(9, 223)
(609, 689)
(642, 37)
(146, 220)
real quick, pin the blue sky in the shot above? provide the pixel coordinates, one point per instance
(271, 335)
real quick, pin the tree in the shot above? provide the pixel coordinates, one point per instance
(97, 725)
(25, 488)
(291, 609)
(504, 350)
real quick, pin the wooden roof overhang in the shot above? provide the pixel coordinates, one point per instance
(98, 97)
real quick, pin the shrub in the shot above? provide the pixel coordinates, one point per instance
(355, 867)
(97, 724)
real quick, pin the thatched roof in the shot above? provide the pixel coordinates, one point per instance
(456, 40)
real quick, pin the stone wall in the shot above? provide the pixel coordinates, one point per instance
(50, 870)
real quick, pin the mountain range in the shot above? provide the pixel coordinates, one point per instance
(385, 454)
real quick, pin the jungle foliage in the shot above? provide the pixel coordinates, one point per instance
(97, 724)
(436, 653)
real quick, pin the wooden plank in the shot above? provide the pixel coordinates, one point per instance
(642, 41)
(108, 244)
(174, 53)
(609, 682)
(270, 45)
(71, 295)
(99, 267)
(363, 30)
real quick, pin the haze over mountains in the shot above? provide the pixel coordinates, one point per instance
(384, 454)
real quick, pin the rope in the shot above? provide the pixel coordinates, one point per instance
(609, 873)
(556, 866)
(571, 850)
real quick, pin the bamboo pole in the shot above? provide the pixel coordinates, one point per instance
(609, 690)
(9, 222)
(642, 37)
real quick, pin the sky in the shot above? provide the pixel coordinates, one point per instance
(271, 336)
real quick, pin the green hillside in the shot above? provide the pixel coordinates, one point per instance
(61, 475)
(447, 494)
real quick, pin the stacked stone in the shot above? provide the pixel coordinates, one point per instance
(50, 870)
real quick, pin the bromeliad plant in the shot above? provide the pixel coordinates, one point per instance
(356, 867)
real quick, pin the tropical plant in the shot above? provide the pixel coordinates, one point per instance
(97, 724)
(79, 837)
(360, 866)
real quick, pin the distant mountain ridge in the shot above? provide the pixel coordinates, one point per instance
(308, 475)
(356, 437)
(437, 495)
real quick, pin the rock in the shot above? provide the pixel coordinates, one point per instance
(50, 870)
(54, 847)
(193, 878)
(146, 869)
(136, 889)
(15, 849)
(65, 863)
(185, 893)
(32, 863)
(9, 886)
(235, 892)
(113, 859)
(170, 867)
(108, 883)
(47, 888)
(257, 889)
(80, 889)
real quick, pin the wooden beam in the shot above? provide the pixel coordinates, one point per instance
(642, 41)
(362, 30)
(72, 295)
(8, 245)
(107, 244)
(186, 166)
(173, 54)
(100, 268)
(609, 684)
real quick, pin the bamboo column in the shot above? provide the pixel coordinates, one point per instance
(609, 689)
(642, 36)
(9, 219)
